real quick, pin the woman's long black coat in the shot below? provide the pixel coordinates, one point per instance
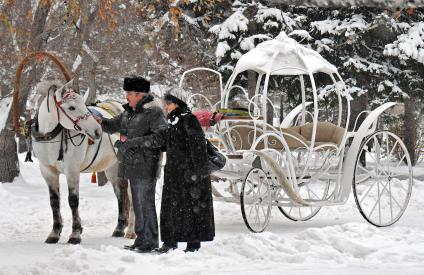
(187, 207)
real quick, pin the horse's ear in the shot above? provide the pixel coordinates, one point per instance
(68, 86)
(59, 92)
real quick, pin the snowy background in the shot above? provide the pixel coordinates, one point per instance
(336, 241)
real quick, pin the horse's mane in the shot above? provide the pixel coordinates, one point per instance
(43, 86)
(41, 90)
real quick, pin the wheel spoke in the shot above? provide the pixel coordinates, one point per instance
(309, 194)
(379, 202)
(257, 214)
(313, 193)
(263, 211)
(394, 146)
(384, 188)
(390, 199)
(250, 211)
(390, 194)
(377, 164)
(400, 161)
(388, 156)
(366, 194)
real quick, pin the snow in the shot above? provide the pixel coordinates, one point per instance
(221, 49)
(283, 56)
(265, 13)
(89, 52)
(336, 241)
(324, 45)
(5, 106)
(248, 43)
(237, 22)
(190, 20)
(348, 27)
(301, 33)
(77, 63)
(363, 65)
(409, 45)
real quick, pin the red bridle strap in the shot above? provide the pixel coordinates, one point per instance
(74, 121)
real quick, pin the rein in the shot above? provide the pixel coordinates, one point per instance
(95, 155)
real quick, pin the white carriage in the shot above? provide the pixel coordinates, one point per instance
(308, 160)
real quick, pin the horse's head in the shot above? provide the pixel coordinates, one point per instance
(72, 112)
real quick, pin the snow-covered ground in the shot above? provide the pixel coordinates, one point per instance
(336, 241)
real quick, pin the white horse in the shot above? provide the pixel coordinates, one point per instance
(60, 141)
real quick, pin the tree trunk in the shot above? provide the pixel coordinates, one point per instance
(282, 101)
(9, 165)
(410, 129)
(356, 107)
(92, 84)
(252, 76)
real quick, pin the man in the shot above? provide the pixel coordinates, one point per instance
(140, 127)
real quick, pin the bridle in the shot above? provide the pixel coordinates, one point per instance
(58, 104)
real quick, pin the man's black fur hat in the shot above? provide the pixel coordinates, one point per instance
(136, 84)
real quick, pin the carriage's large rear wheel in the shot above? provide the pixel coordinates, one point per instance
(382, 182)
(255, 200)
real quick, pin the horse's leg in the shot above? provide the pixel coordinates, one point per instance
(73, 200)
(120, 189)
(130, 231)
(51, 176)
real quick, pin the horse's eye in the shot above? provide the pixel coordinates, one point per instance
(72, 108)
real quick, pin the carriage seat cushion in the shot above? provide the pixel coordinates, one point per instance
(296, 137)
(326, 132)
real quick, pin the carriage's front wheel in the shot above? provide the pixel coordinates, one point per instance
(382, 182)
(256, 199)
(317, 190)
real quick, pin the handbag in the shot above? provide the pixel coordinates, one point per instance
(216, 160)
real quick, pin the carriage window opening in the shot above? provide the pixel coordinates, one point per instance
(204, 90)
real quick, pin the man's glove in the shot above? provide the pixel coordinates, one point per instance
(121, 146)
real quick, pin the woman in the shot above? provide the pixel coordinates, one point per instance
(187, 207)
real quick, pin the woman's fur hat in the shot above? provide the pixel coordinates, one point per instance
(177, 95)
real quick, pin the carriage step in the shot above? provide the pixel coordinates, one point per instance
(229, 175)
(234, 156)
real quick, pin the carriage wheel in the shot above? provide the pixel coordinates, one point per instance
(316, 190)
(255, 200)
(312, 191)
(382, 182)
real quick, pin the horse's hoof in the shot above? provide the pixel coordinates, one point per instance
(52, 240)
(74, 240)
(118, 233)
(130, 235)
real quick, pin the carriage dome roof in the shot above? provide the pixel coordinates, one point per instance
(283, 56)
